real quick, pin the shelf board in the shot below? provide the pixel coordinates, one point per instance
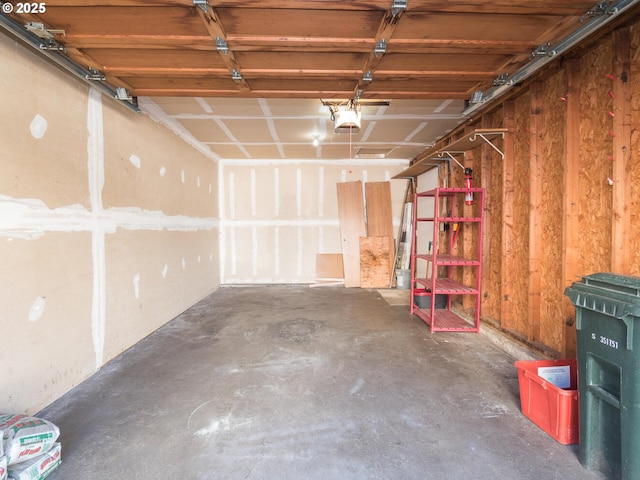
(445, 321)
(459, 219)
(446, 286)
(472, 140)
(448, 192)
(448, 321)
(445, 259)
(450, 287)
(433, 158)
(423, 281)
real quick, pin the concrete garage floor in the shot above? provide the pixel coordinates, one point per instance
(290, 382)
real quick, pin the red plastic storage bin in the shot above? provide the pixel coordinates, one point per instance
(554, 409)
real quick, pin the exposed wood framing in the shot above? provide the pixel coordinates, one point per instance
(468, 233)
(214, 27)
(571, 225)
(306, 49)
(535, 211)
(486, 174)
(552, 143)
(507, 283)
(621, 228)
(384, 33)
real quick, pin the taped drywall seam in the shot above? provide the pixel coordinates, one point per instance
(321, 192)
(390, 162)
(253, 192)
(30, 219)
(276, 251)
(283, 223)
(232, 195)
(232, 245)
(254, 251)
(299, 253)
(298, 192)
(276, 192)
(95, 158)
(272, 126)
(222, 235)
(157, 114)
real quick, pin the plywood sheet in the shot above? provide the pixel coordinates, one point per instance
(379, 214)
(374, 262)
(329, 265)
(352, 227)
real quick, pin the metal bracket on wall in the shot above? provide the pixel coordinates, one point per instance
(470, 140)
(451, 155)
(489, 142)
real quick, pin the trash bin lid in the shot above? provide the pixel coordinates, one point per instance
(620, 283)
(617, 296)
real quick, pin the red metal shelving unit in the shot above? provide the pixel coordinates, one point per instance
(440, 259)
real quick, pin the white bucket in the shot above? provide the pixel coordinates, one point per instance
(403, 279)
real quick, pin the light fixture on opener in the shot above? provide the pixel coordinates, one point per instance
(346, 117)
(347, 121)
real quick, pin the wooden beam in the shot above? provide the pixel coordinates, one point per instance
(214, 27)
(385, 32)
(571, 223)
(535, 212)
(424, 45)
(270, 43)
(506, 268)
(487, 156)
(163, 71)
(621, 218)
(138, 41)
(468, 235)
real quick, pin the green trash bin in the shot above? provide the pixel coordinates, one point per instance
(608, 329)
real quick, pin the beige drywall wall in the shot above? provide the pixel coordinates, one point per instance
(108, 229)
(275, 216)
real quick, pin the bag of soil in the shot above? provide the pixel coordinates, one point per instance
(25, 437)
(39, 467)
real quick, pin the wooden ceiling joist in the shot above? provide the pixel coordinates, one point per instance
(477, 41)
(215, 29)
